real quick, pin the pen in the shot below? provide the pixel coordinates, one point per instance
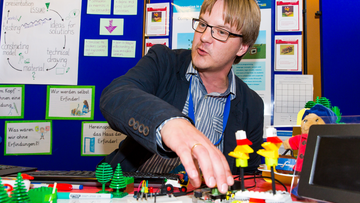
(68, 195)
(59, 186)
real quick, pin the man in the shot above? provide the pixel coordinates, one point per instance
(158, 102)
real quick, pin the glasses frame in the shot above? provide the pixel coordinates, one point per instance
(210, 26)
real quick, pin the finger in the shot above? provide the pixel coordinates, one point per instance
(201, 153)
(222, 173)
(218, 171)
(228, 174)
(190, 167)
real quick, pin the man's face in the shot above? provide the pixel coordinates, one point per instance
(211, 54)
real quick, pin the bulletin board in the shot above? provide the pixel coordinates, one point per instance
(96, 71)
(340, 72)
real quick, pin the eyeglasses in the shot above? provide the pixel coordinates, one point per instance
(216, 32)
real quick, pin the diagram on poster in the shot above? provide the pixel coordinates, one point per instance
(98, 139)
(28, 137)
(40, 42)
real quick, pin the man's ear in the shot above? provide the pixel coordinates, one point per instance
(242, 50)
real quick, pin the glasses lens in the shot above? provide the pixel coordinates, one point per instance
(220, 34)
(199, 26)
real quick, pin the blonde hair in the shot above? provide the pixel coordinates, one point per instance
(245, 15)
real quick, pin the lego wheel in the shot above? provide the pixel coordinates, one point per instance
(183, 189)
(169, 188)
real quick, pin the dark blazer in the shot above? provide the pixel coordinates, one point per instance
(156, 90)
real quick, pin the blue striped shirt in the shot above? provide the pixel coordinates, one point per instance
(209, 112)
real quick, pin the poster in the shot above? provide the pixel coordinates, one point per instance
(28, 138)
(70, 102)
(291, 94)
(157, 19)
(151, 42)
(98, 139)
(40, 42)
(12, 101)
(288, 53)
(288, 15)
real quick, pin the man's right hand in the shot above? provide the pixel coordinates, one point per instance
(196, 151)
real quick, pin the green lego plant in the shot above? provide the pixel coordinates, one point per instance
(19, 194)
(118, 182)
(325, 102)
(4, 197)
(336, 110)
(309, 104)
(103, 174)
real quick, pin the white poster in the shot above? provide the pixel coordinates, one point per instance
(98, 139)
(157, 19)
(28, 137)
(292, 92)
(151, 42)
(288, 53)
(288, 15)
(40, 42)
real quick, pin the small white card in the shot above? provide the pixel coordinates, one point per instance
(288, 15)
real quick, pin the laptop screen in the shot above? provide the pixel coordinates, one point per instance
(331, 168)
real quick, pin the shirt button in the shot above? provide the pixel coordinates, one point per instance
(206, 96)
(198, 120)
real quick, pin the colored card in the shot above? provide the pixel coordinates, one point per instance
(28, 138)
(98, 139)
(70, 102)
(98, 7)
(111, 26)
(12, 101)
(121, 48)
(96, 47)
(125, 7)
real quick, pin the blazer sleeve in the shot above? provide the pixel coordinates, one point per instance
(133, 103)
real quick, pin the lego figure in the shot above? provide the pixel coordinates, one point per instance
(318, 114)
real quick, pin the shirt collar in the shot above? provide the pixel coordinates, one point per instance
(231, 90)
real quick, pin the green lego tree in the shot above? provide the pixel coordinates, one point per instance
(336, 110)
(19, 193)
(118, 182)
(309, 104)
(103, 174)
(324, 101)
(4, 197)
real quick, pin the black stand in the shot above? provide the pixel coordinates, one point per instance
(273, 180)
(242, 178)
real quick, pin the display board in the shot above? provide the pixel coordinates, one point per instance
(108, 44)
